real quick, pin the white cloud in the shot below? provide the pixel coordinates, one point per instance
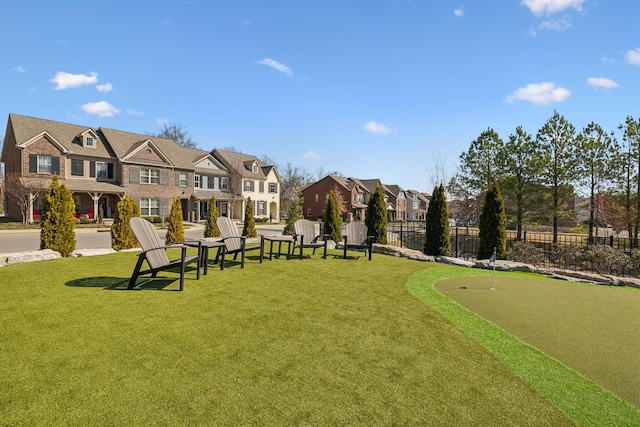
(162, 122)
(100, 108)
(247, 22)
(66, 80)
(633, 56)
(459, 13)
(107, 87)
(556, 25)
(378, 128)
(276, 66)
(134, 112)
(313, 156)
(371, 161)
(19, 69)
(548, 7)
(602, 82)
(539, 94)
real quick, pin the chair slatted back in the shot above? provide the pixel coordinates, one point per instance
(229, 229)
(356, 233)
(148, 238)
(306, 229)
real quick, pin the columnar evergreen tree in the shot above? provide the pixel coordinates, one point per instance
(437, 240)
(122, 236)
(175, 228)
(295, 213)
(211, 226)
(375, 217)
(58, 223)
(331, 218)
(249, 229)
(493, 225)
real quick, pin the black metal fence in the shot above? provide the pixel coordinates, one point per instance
(464, 244)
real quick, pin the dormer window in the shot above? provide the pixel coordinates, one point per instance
(89, 141)
(254, 168)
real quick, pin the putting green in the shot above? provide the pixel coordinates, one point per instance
(592, 329)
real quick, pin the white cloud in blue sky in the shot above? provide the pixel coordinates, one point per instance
(100, 109)
(602, 82)
(19, 69)
(539, 94)
(135, 113)
(459, 12)
(633, 56)
(548, 7)
(107, 87)
(313, 156)
(378, 128)
(276, 66)
(64, 80)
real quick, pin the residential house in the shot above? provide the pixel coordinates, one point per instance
(250, 177)
(100, 166)
(417, 204)
(348, 193)
(398, 199)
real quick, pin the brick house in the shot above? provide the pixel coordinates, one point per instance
(100, 166)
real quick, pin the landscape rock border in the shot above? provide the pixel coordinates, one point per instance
(501, 265)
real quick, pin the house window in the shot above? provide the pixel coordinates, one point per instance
(273, 187)
(89, 141)
(261, 208)
(224, 184)
(101, 170)
(44, 164)
(248, 185)
(149, 176)
(254, 168)
(149, 207)
(197, 181)
(224, 209)
(77, 167)
(316, 198)
(182, 179)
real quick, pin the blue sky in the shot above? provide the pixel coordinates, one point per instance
(388, 89)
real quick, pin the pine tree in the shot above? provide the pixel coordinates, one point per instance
(211, 226)
(493, 225)
(122, 236)
(175, 229)
(249, 229)
(437, 227)
(295, 213)
(58, 223)
(375, 217)
(331, 218)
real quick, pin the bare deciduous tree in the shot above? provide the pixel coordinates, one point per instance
(177, 133)
(24, 191)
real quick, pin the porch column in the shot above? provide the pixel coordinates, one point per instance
(96, 199)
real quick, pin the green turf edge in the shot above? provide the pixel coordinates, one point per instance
(587, 403)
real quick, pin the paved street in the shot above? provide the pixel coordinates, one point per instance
(93, 238)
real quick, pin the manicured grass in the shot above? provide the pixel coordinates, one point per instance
(590, 328)
(582, 399)
(297, 342)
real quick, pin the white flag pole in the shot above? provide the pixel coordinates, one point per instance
(493, 258)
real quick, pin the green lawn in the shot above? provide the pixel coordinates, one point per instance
(298, 342)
